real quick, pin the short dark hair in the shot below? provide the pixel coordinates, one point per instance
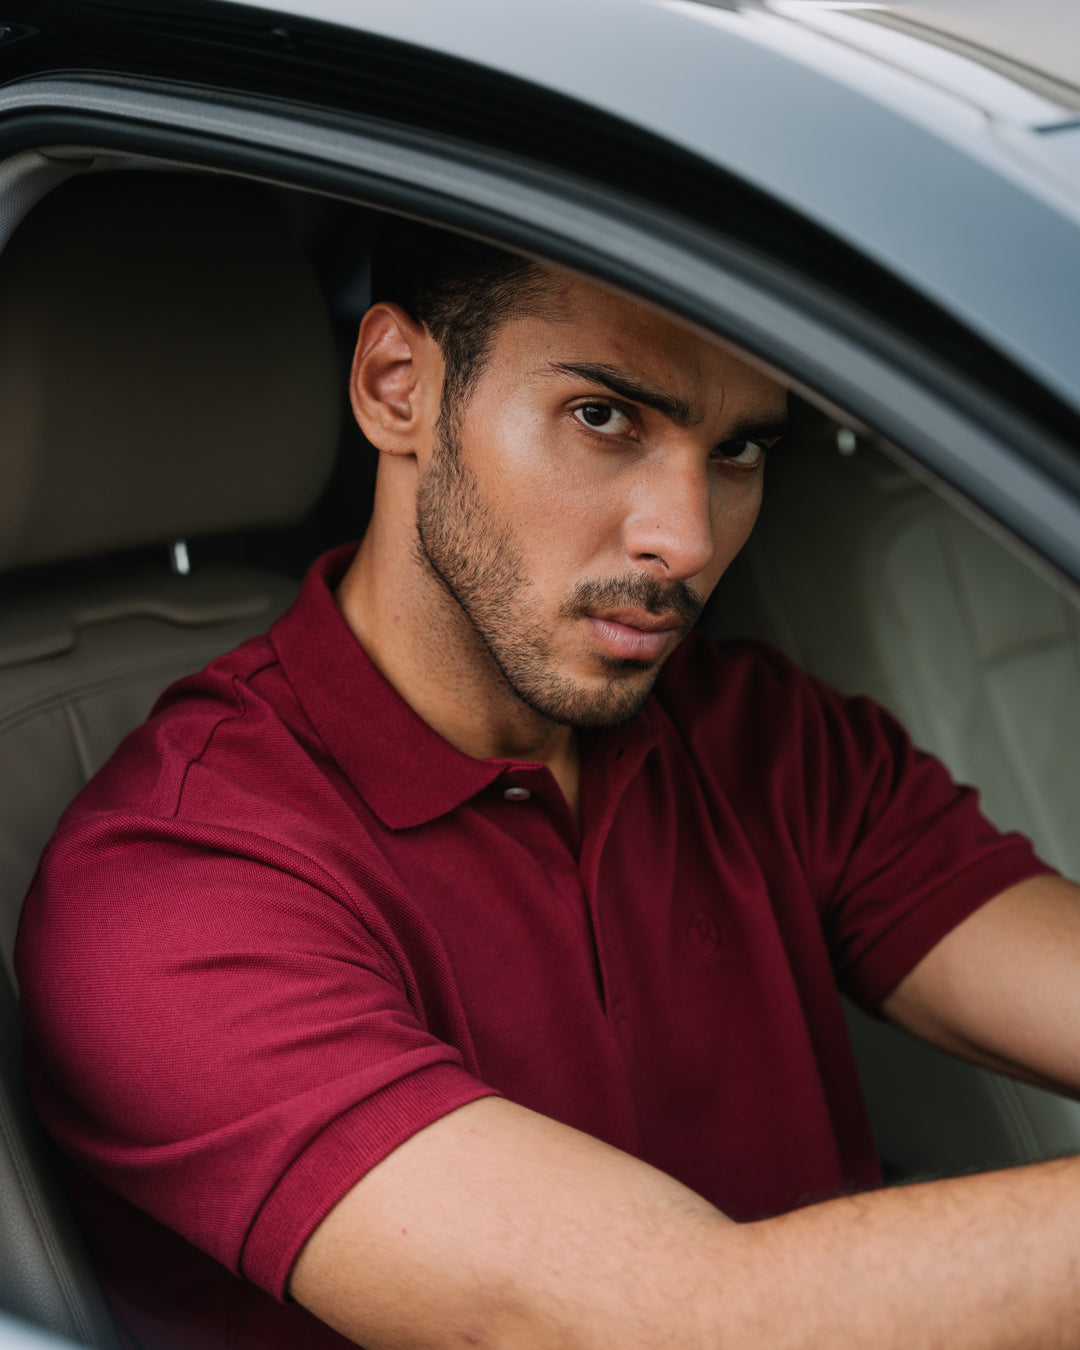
(460, 289)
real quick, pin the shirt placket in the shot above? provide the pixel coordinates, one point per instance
(615, 759)
(541, 819)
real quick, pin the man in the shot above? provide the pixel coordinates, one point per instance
(458, 963)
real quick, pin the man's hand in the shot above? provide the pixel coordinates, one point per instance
(498, 1227)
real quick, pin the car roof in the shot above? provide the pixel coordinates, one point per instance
(1041, 34)
(962, 180)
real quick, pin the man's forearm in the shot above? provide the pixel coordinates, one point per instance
(989, 1261)
(497, 1227)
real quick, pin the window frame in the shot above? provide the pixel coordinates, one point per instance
(991, 456)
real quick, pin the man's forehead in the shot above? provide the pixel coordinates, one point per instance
(589, 331)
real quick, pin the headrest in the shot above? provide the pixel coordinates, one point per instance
(167, 368)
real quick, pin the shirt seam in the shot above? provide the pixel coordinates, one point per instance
(235, 683)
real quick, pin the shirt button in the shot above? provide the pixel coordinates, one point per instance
(517, 794)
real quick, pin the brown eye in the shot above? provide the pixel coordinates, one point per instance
(604, 418)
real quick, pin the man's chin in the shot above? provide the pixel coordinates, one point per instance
(589, 705)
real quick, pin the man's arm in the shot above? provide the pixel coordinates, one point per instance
(500, 1228)
(1003, 988)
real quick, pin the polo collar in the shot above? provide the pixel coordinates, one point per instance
(405, 771)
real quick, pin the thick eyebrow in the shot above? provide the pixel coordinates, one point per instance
(753, 428)
(620, 382)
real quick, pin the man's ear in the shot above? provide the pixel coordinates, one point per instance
(396, 382)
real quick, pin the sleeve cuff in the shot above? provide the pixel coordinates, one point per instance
(339, 1157)
(897, 952)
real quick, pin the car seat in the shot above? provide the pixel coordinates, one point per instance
(167, 371)
(876, 584)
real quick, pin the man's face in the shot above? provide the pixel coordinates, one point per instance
(583, 504)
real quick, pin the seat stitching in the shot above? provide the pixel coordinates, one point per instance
(78, 740)
(31, 707)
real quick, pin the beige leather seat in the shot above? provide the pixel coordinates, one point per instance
(167, 371)
(877, 585)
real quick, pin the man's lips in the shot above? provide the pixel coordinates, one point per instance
(634, 634)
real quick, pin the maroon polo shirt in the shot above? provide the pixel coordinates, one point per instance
(289, 925)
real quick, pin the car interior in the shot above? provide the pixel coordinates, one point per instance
(175, 448)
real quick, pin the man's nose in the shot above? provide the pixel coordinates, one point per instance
(670, 528)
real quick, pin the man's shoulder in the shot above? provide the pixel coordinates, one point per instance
(243, 717)
(223, 803)
(223, 746)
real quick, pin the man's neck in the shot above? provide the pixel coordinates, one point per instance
(421, 641)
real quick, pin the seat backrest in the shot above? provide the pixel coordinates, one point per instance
(874, 583)
(167, 370)
(81, 665)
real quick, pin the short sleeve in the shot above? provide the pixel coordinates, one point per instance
(216, 1034)
(899, 853)
(856, 830)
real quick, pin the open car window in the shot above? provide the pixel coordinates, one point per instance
(920, 540)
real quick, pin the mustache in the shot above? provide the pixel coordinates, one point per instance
(634, 593)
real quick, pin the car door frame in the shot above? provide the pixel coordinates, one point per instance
(1015, 470)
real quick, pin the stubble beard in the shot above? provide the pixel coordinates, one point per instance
(479, 563)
